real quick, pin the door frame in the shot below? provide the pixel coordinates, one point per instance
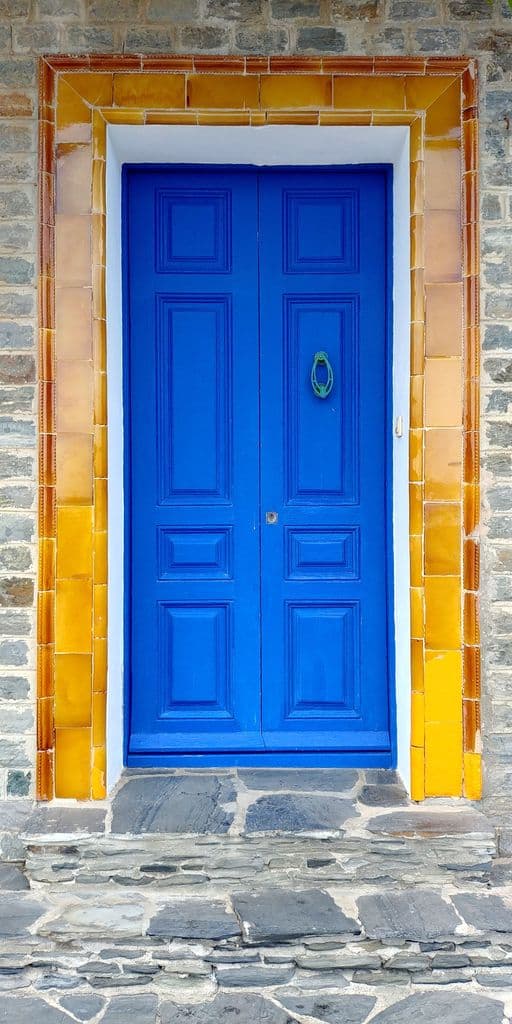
(277, 146)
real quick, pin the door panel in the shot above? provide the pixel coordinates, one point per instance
(194, 531)
(323, 461)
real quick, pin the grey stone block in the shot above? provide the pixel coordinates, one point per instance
(413, 10)
(383, 796)
(172, 10)
(254, 975)
(448, 1007)
(16, 592)
(17, 72)
(22, 1009)
(432, 822)
(294, 813)
(17, 168)
(194, 919)
(17, 913)
(316, 38)
(17, 202)
(131, 1010)
(315, 780)
(16, 336)
(96, 920)
(16, 139)
(17, 303)
(17, 368)
(13, 654)
(295, 8)
(173, 803)
(18, 783)
(12, 878)
(256, 40)
(88, 39)
(333, 1009)
(497, 336)
(82, 1005)
(60, 9)
(417, 915)
(235, 10)
(15, 623)
(16, 269)
(14, 688)
(476, 10)
(150, 40)
(438, 40)
(486, 913)
(50, 820)
(15, 558)
(105, 11)
(17, 496)
(204, 38)
(278, 915)
(246, 1008)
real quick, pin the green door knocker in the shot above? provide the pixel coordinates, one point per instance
(319, 389)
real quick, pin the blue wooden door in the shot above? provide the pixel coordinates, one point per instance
(257, 534)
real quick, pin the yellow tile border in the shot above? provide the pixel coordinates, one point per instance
(436, 97)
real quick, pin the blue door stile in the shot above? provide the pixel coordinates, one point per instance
(257, 534)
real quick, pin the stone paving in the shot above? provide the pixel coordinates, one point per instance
(253, 896)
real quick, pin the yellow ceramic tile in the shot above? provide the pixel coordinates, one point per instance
(443, 392)
(416, 508)
(291, 117)
(100, 451)
(99, 135)
(98, 186)
(223, 91)
(45, 610)
(369, 93)
(473, 776)
(95, 88)
(99, 344)
(99, 773)
(471, 508)
(444, 319)
(74, 542)
(72, 250)
(46, 563)
(417, 240)
(290, 91)
(416, 455)
(73, 618)
(443, 246)
(359, 117)
(74, 396)
(100, 504)
(71, 112)
(73, 323)
(99, 227)
(443, 621)
(444, 115)
(99, 306)
(417, 348)
(416, 556)
(100, 611)
(471, 565)
(100, 399)
(416, 134)
(417, 186)
(442, 175)
(443, 759)
(416, 400)
(417, 661)
(417, 773)
(149, 90)
(74, 469)
(443, 464)
(99, 681)
(421, 91)
(417, 719)
(443, 686)
(130, 116)
(73, 690)
(442, 539)
(99, 716)
(417, 294)
(100, 558)
(417, 612)
(44, 774)
(73, 763)
(73, 178)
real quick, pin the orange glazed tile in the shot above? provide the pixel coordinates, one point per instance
(443, 319)
(47, 197)
(149, 90)
(100, 451)
(416, 508)
(472, 725)
(443, 392)
(73, 690)
(113, 62)
(46, 304)
(443, 246)
(45, 727)
(470, 196)
(46, 563)
(417, 719)
(417, 240)
(98, 186)
(99, 136)
(417, 348)
(417, 186)
(45, 606)
(471, 508)
(46, 249)
(291, 117)
(420, 93)
(442, 538)
(227, 117)
(170, 117)
(72, 250)
(472, 672)
(47, 405)
(73, 619)
(99, 344)
(392, 117)
(472, 306)
(349, 65)
(399, 65)
(417, 613)
(100, 611)
(442, 175)
(74, 396)
(220, 63)
(443, 759)
(471, 565)
(71, 114)
(416, 140)
(471, 405)
(417, 663)
(417, 773)
(47, 443)
(99, 773)
(100, 398)
(73, 763)
(73, 323)
(46, 146)
(471, 623)
(46, 354)
(443, 686)
(44, 774)
(101, 557)
(46, 516)
(166, 64)
(416, 560)
(360, 117)
(443, 613)
(416, 399)
(99, 719)
(74, 542)
(74, 469)
(473, 776)
(100, 505)
(126, 115)
(443, 118)
(223, 91)
(469, 88)
(288, 65)
(99, 681)
(470, 145)
(99, 307)
(94, 88)
(296, 91)
(99, 228)
(415, 455)
(470, 234)
(417, 294)
(367, 92)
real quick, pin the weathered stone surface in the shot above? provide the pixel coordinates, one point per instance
(83, 1006)
(17, 913)
(294, 813)
(172, 803)
(96, 920)
(22, 1009)
(224, 1009)
(431, 822)
(417, 915)
(448, 1007)
(194, 919)
(131, 1010)
(277, 915)
(383, 796)
(254, 975)
(48, 819)
(18, 783)
(486, 913)
(315, 780)
(350, 1009)
(12, 878)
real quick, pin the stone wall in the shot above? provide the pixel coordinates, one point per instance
(30, 27)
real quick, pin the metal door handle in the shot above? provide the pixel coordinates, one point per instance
(271, 518)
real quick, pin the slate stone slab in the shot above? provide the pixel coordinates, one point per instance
(486, 913)
(431, 823)
(83, 1006)
(316, 780)
(12, 878)
(236, 1008)
(445, 1007)
(254, 975)
(86, 920)
(26, 1009)
(417, 916)
(383, 796)
(277, 915)
(131, 1010)
(47, 819)
(290, 813)
(17, 913)
(194, 919)
(173, 803)
(331, 1009)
